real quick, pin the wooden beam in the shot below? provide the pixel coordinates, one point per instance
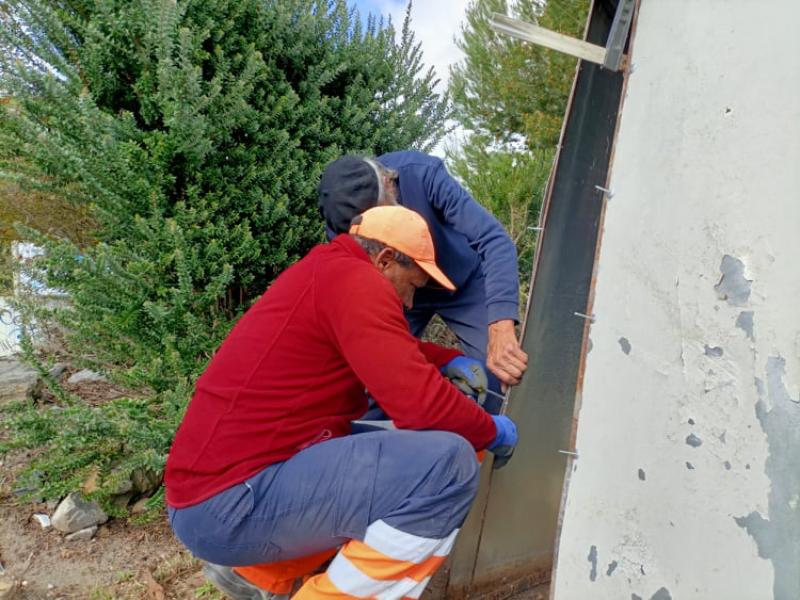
(549, 39)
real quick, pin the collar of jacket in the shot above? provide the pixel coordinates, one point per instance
(349, 245)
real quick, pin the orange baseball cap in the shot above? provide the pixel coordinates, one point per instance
(405, 231)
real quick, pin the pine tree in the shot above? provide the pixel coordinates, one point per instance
(511, 98)
(193, 134)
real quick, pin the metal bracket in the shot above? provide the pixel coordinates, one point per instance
(615, 46)
(611, 56)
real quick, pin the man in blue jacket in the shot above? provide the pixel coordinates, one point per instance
(472, 248)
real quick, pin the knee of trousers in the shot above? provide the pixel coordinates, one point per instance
(456, 472)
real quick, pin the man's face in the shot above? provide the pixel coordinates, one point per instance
(405, 280)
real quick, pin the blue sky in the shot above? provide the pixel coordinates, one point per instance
(375, 7)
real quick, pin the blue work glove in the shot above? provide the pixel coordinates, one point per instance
(469, 376)
(504, 442)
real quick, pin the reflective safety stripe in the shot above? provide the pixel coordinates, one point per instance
(388, 565)
(319, 587)
(416, 592)
(378, 566)
(350, 580)
(400, 545)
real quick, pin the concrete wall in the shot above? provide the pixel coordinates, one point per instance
(687, 481)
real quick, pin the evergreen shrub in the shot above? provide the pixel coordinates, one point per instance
(192, 133)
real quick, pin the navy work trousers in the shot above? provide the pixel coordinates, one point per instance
(418, 482)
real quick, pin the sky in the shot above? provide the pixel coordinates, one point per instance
(435, 23)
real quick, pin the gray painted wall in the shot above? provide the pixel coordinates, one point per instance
(687, 484)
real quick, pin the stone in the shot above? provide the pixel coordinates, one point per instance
(139, 506)
(17, 380)
(83, 535)
(145, 481)
(57, 370)
(84, 376)
(43, 520)
(121, 501)
(74, 513)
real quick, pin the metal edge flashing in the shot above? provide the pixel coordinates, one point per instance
(456, 583)
(563, 271)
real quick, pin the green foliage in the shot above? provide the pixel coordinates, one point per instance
(510, 183)
(511, 98)
(508, 90)
(79, 442)
(192, 133)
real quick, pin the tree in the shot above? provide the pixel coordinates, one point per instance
(193, 133)
(511, 97)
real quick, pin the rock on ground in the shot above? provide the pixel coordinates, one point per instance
(43, 520)
(85, 375)
(57, 370)
(82, 535)
(17, 380)
(74, 513)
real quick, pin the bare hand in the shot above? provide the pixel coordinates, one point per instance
(504, 357)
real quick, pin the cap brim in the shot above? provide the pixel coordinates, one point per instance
(435, 272)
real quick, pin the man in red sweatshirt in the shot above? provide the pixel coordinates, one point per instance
(264, 467)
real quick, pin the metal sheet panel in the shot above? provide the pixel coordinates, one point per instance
(523, 505)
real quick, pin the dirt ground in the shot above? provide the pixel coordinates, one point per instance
(123, 561)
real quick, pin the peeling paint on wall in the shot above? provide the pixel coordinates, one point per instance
(625, 345)
(720, 246)
(662, 594)
(592, 558)
(745, 322)
(733, 286)
(612, 566)
(693, 441)
(777, 536)
(776, 388)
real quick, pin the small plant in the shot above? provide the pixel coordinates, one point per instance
(80, 444)
(208, 591)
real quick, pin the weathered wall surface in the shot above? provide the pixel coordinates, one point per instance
(687, 484)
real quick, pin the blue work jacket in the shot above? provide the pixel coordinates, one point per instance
(469, 241)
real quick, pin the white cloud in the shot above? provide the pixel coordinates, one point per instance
(436, 24)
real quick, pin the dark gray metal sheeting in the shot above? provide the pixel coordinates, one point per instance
(520, 515)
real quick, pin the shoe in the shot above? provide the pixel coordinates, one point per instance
(235, 586)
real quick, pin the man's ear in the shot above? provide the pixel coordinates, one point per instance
(384, 259)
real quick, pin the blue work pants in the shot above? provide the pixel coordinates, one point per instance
(421, 483)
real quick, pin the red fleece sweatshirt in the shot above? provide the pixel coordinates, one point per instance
(293, 370)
